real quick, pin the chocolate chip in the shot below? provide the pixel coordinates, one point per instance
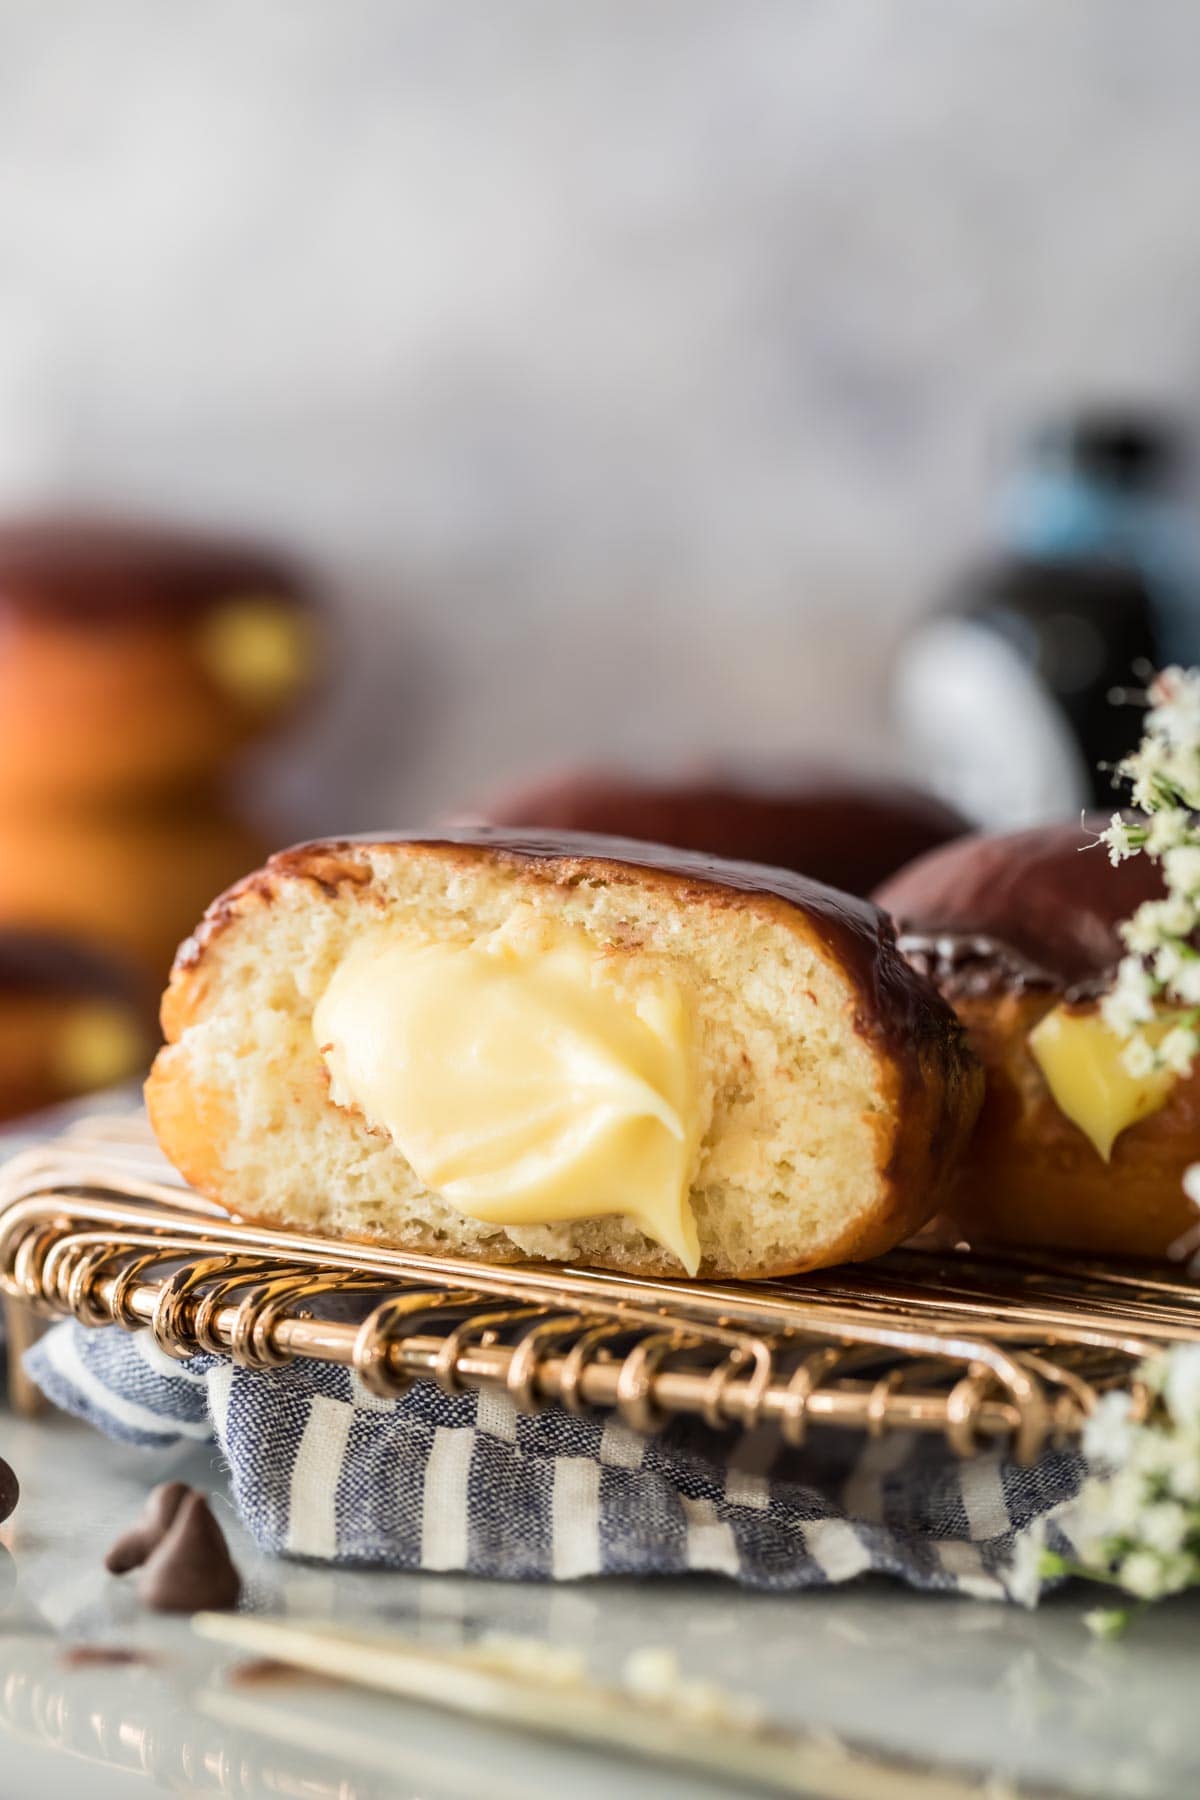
(135, 1545)
(10, 1490)
(191, 1570)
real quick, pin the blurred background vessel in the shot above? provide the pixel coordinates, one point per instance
(1017, 698)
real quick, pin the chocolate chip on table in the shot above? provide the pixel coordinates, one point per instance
(191, 1570)
(10, 1490)
(135, 1545)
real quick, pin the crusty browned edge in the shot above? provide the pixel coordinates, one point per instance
(934, 1084)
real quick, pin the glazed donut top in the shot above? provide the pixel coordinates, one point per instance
(836, 828)
(1036, 906)
(83, 569)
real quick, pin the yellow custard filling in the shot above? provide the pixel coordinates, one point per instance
(529, 1077)
(1081, 1060)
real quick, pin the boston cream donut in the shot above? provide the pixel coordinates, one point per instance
(1019, 933)
(136, 658)
(575, 1048)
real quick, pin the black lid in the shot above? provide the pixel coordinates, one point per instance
(1121, 447)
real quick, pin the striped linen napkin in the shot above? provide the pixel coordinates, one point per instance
(322, 1469)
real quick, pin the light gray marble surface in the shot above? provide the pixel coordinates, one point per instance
(1023, 1697)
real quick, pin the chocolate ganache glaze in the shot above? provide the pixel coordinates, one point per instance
(1034, 907)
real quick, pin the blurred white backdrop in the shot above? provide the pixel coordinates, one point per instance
(633, 371)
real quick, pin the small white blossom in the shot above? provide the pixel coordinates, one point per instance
(1181, 866)
(1130, 1002)
(1164, 1527)
(1117, 840)
(1166, 829)
(1154, 1459)
(1108, 1434)
(1177, 1051)
(1023, 1576)
(1168, 963)
(1139, 1058)
(1174, 713)
(1136, 1520)
(1166, 1461)
(1182, 1385)
(1184, 776)
(1179, 1572)
(1191, 1183)
(1185, 984)
(1146, 771)
(1112, 1506)
(1183, 1478)
(1118, 1015)
(1143, 933)
(1157, 921)
(1149, 759)
(1143, 1574)
(1178, 915)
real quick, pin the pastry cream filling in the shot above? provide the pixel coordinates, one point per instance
(529, 1077)
(1081, 1060)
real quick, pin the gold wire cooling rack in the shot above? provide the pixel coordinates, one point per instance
(1003, 1349)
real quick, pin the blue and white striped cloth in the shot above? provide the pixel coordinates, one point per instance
(322, 1469)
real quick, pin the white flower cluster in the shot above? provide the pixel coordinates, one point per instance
(1165, 769)
(1161, 968)
(1139, 1512)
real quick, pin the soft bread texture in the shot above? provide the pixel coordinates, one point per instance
(835, 1088)
(1046, 905)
